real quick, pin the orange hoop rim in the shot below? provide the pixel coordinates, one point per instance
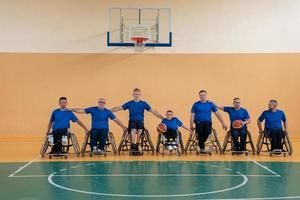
(139, 40)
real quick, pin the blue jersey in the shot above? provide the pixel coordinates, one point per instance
(136, 109)
(172, 124)
(203, 111)
(273, 119)
(61, 119)
(234, 114)
(100, 117)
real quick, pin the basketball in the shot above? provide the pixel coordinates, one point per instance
(162, 127)
(237, 124)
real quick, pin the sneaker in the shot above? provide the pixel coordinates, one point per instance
(202, 151)
(169, 147)
(95, 150)
(51, 140)
(64, 140)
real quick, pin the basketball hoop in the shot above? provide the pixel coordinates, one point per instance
(139, 43)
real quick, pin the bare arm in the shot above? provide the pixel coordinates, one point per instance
(186, 128)
(285, 126)
(259, 126)
(48, 128)
(192, 121)
(77, 110)
(116, 109)
(220, 118)
(120, 124)
(157, 114)
(219, 106)
(82, 125)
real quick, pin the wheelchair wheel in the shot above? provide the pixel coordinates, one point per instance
(226, 140)
(289, 144)
(260, 141)
(148, 138)
(217, 141)
(113, 143)
(251, 142)
(44, 147)
(158, 142)
(85, 143)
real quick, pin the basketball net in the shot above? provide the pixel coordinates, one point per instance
(139, 43)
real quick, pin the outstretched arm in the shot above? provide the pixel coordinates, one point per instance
(157, 114)
(48, 128)
(220, 118)
(120, 124)
(219, 106)
(77, 110)
(186, 128)
(116, 109)
(82, 125)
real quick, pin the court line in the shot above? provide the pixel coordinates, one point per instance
(23, 167)
(264, 167)
(142, 175)
(260, 198)
(245, 180)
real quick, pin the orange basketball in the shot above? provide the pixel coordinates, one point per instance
(162, 127)
(237, 124)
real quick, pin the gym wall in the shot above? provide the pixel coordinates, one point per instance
(31, 84)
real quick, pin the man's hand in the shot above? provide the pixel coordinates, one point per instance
(47, 133)
(86, 131)
(125, 129)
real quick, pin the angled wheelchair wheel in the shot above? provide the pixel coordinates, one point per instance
(226, 141)
(260, 142)
(217, 141)
(113, 143)
(44, 146)
(251, 142)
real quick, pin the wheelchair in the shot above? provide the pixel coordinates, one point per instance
(263, 139)
(72, 142)
(162, 145)
(145, 143)
(213, 143)
(110, 142)
(228, 140)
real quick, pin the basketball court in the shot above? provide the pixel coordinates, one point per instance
(170, 50)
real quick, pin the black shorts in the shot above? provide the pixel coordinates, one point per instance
(170, 134)
(135, 125)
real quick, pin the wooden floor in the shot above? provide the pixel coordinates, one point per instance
(24, 149)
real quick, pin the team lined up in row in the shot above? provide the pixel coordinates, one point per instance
(200, 121)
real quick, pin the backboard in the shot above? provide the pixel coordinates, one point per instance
(151, 23)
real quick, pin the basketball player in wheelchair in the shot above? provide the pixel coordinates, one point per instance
(169, 136)
(100, 125)
(274, 131)
(60, 123)
(239, 119)
(136, 108)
